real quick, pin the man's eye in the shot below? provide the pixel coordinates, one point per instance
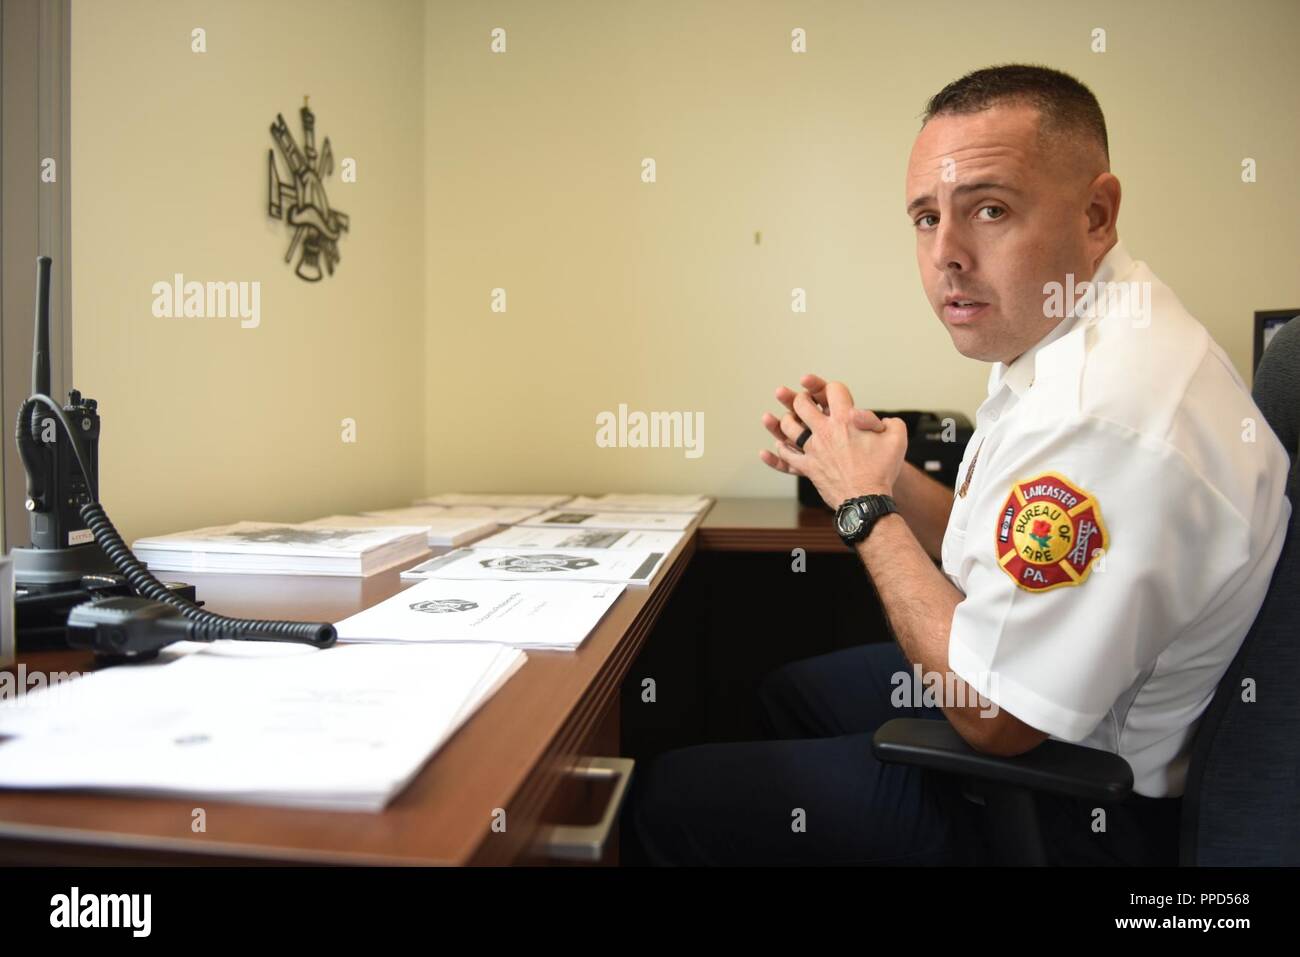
(920, 220)
(1001, 212)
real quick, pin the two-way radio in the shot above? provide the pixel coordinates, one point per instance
(77, 554)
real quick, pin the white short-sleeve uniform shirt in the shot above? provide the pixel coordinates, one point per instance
(1118, 529)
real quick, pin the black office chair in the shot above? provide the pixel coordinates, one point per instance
(1241, 801)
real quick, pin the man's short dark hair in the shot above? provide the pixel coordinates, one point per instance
(1064, 104)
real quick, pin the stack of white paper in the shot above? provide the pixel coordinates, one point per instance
(440, 528)
(638, 502)
(276, 549)
(551, 615)
(499, 499)
(345, 728)
(630, 566)
(660, 521)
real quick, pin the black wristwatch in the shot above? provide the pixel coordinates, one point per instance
(856, 517)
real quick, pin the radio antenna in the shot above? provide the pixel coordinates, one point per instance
(41, 337)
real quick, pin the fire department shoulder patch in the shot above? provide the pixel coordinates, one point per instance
(1049, 533)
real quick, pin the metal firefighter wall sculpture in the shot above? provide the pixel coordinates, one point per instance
(316, 227)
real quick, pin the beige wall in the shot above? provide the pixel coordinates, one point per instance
(204, 421)
(657, 296)
(522, 171)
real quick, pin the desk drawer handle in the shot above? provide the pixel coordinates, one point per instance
(587, 842)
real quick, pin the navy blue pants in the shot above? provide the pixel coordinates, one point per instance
(814, 794)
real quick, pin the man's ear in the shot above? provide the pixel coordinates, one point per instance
(1103, 211)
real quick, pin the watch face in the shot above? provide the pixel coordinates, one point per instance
(849, 520)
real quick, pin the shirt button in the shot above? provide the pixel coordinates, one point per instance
(993, 414)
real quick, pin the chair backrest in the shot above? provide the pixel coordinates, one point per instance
(1241, 805)
(1277, 393)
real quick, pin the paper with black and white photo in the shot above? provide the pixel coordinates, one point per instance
(630, 566)
(524, 614)
(650, 521)
(443, 527)
(274, 548)
(533, 536)
(342, 728)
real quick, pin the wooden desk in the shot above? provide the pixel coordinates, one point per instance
(510, 755)
(767, 525)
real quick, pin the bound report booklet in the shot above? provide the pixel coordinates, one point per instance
(441, 529)
(531, 536)
(500, 499)
(501, 514)
(523, 614)
(632, 566)
(638, 502)
(269, 548)
(655, 521)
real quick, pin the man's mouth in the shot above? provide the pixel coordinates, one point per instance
(962, 309)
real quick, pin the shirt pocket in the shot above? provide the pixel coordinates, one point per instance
(954, 538)
(951, 552)
(959, 517)
(974, 466)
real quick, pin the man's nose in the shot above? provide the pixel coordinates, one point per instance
(949, 251)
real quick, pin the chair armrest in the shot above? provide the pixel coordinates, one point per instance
(1054, 766)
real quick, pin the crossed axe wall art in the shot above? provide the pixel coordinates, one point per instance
(316, 227)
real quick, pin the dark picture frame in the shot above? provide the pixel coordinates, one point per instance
(1267, 322)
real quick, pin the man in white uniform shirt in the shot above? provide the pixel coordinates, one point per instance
(1119, 512)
